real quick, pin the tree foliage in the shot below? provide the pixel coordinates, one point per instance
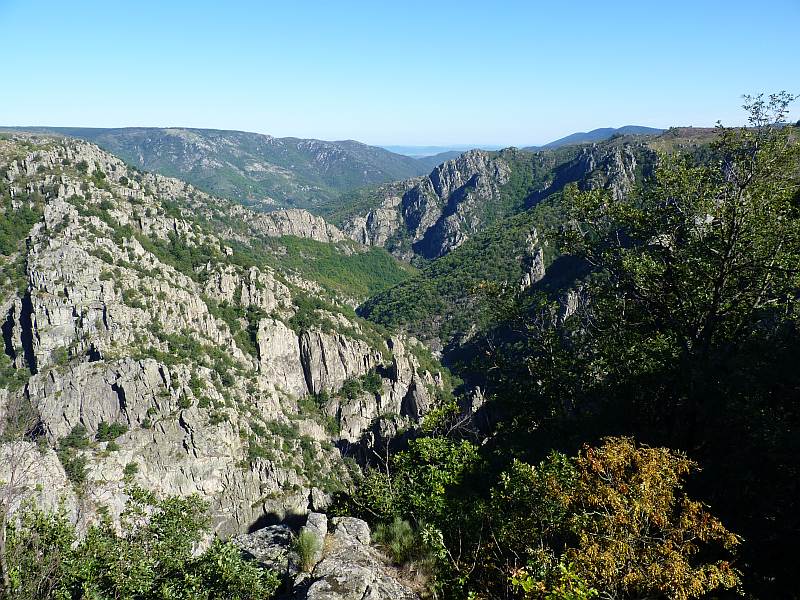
(150, 557)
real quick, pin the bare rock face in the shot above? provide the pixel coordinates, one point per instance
(533, 261)
(296, 222)
(195, 362)
(329, 359)
(403, 395)
(279, 356)
(431, 216)
(351, 569)
(28, 473)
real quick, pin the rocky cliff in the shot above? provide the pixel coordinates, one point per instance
(152, 352)
(431, 216)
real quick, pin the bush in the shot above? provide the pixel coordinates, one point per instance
(306, 544)
(74, 464)
(77, 438)
(371, 382)
(130, 471)
(351, 389)
(398, 539)
(107, 432)
(150, 556)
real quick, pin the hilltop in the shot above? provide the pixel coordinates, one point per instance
(262, 171)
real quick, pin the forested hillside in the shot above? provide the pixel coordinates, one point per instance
(634, 415)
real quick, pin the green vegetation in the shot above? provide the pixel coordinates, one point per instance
(455, 293)
(70, 455)
(306, 545)
(11, 378)
(343, 268)
(109, 431)
(370, 382)
(614, 518)
(685, 338)
(129, 471)
(16, 224)
(242, 321)
(151, 557)
(398, 538)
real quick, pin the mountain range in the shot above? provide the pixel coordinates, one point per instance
(597, 135)
(278, 361)
(267, 172)
(254, 169)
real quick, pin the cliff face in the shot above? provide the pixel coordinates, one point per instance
(431, 216)
(117, 309)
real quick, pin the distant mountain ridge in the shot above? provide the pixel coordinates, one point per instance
(597, 135)
(254, 169)
(267, 172)
(428, 151)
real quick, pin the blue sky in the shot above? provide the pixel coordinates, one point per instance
(404, 72)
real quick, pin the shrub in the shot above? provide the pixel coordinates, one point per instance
(398, 539)
(107, 432)
(195, 384)
(130, 470)
(74, 466)
(216, 417)
(371, 382)
(150, 557)
(77, 438)
(351, 389)
(306, 544)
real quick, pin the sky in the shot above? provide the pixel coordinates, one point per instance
(436, 72)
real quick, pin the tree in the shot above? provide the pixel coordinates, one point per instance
(638, 534)
(614, 519)
(151, 556)
(694, 265)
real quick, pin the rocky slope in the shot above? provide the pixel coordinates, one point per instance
(122, 309)
(453, 298)
(346, 566)
(259, 170)
(431, 216)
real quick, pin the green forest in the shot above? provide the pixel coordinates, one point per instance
(643, 444)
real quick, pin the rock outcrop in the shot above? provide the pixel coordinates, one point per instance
(346, 566)
(431, 216)
(296, 222)
(120, 310)
(351, 569)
